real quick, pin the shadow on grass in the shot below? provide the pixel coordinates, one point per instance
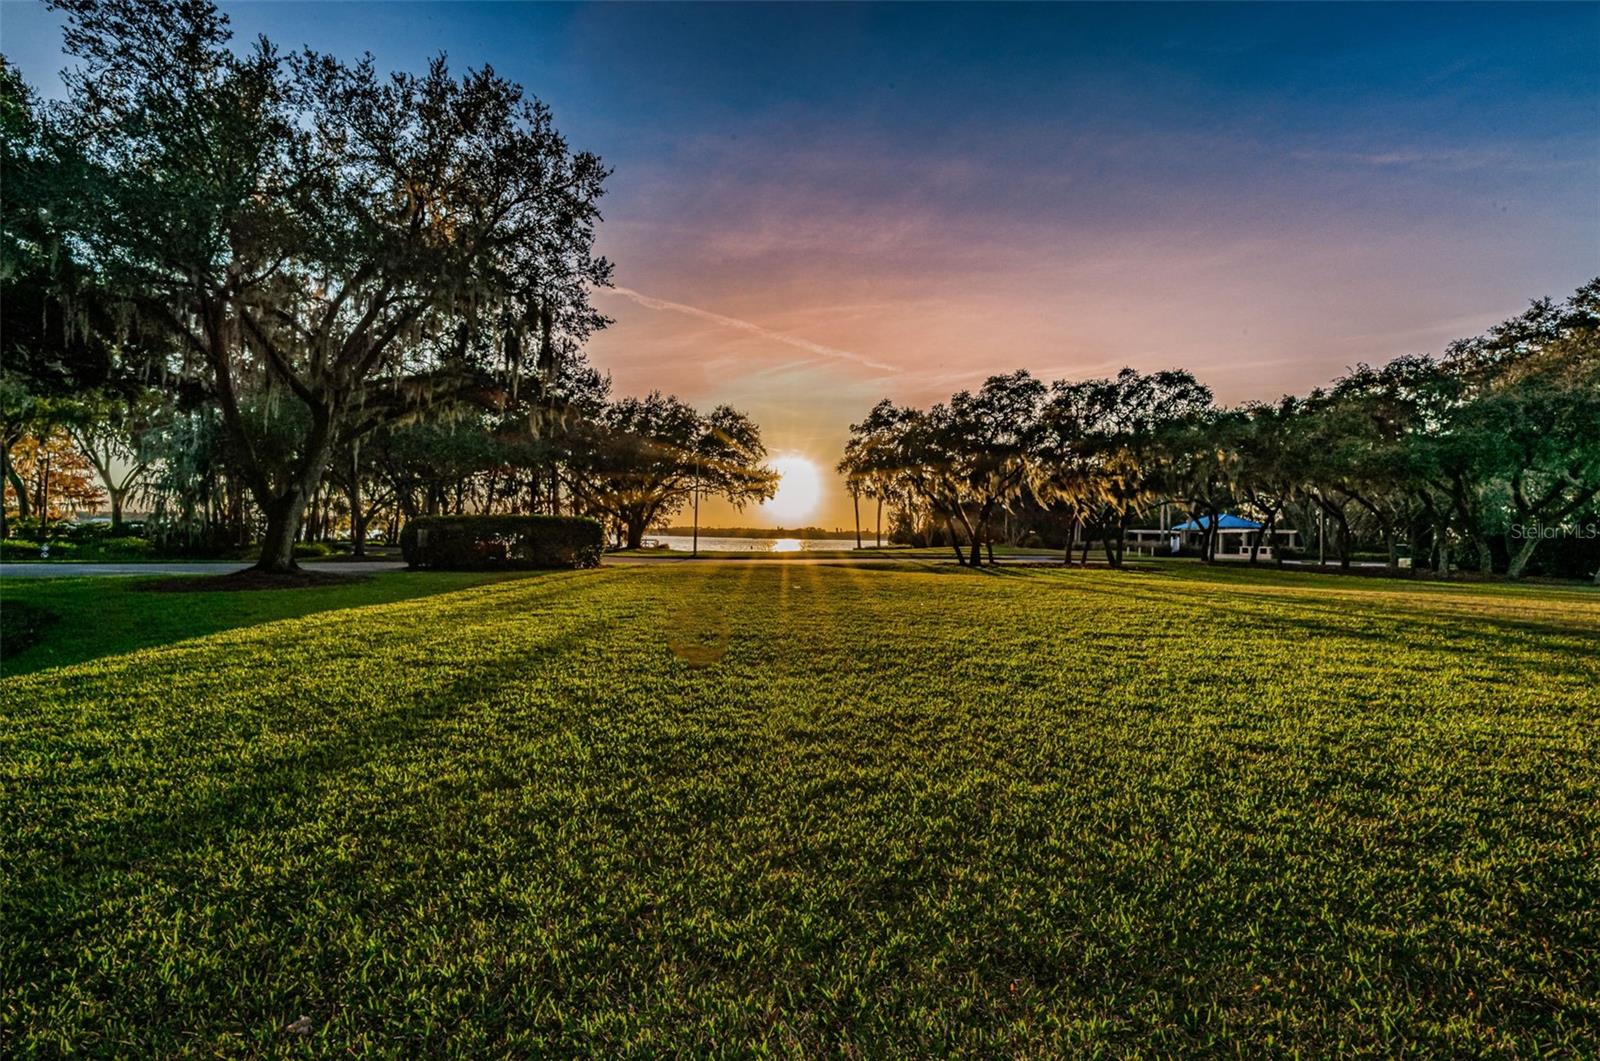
(68, 873)
(23, 625)
(107, 616)
(1303, 609)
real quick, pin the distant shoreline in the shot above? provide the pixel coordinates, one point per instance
(767, 533)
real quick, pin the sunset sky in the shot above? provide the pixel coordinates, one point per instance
(817, 206)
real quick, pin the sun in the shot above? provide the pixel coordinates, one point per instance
(799, 489)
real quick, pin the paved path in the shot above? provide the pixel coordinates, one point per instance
(226, 567)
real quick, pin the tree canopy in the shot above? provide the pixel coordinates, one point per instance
(274, 283)
(1490, 449)
(650, 455)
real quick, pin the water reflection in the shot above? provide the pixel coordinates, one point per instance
(681, 543)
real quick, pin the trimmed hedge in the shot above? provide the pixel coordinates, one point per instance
(98, 550)
(467, 542)
(13, 549)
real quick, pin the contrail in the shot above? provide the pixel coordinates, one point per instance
(753, 329)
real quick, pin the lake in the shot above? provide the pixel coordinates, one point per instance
(682, 543)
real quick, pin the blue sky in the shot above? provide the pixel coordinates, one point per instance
(814, 206)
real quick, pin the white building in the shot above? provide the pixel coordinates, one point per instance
(1234, 535)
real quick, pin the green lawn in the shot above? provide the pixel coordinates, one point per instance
(818, 810)
(103, 616)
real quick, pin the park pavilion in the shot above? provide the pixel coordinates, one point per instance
(1234, 535)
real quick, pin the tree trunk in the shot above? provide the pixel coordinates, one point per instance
(358, 525)
(9, 472)
(1268, 530)
(1072, 539)
(1520, 558)
(1470, 526)
(287, 508)
(490, 484)
(636, 528)
(855, 501)
(1342, 526)
(358, 522)
(980, 532)
(42, 504)
(878, 542)
(284, 513)
(955, 542)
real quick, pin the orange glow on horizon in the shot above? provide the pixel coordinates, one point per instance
(799, 490)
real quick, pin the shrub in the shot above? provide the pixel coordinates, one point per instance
(29, 528)
(311, 550)
(107, 550)
(127, 547)
(22, 625)
(92, 531)
(502, 541)
(14, 549)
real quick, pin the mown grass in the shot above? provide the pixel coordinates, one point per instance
(103, 616)
(817, 810)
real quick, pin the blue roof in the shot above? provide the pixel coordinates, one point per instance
(1224, 522)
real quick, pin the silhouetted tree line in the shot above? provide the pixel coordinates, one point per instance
(1486, 456)
(274, 295)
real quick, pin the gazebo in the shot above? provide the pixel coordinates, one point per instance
(1234, 535)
